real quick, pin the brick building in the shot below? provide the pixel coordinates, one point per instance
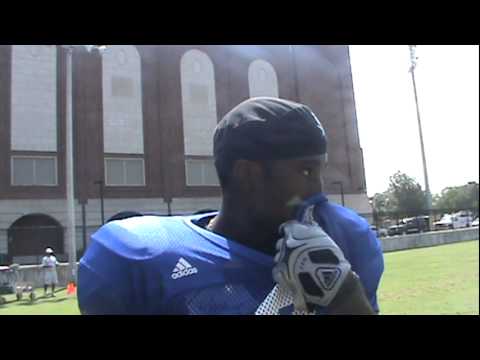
(143, 123)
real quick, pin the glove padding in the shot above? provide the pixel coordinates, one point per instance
(309, 264)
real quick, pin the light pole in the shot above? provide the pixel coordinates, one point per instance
(413, 61)
(70, 195)
(69, 180)
(341, 190)
(101, 184)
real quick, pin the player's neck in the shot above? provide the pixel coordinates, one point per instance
(241, 228)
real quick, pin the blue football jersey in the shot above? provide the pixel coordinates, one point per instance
(172, 265)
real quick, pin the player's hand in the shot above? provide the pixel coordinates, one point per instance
(309, 264)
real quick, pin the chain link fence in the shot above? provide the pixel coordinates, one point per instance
(26, 244)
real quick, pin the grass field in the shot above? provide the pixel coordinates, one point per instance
(61, 304)
(436, 280)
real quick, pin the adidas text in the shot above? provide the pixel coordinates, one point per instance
(183, 273)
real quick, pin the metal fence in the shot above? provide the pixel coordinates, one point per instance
(26, 245)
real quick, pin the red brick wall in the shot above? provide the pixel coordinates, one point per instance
(162, 113)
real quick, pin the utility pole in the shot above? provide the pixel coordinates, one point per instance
(428, 195)
(70, 196)
(70, 232)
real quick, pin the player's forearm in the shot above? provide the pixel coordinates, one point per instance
(351, 299)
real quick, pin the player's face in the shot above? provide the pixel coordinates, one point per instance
(289, 182)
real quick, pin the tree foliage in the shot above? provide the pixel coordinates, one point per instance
(458, 197)
(404, 195)
(407, 193)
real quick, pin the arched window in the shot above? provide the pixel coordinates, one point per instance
(199, 107)
(123, 116)
(198, 102)
(262, 79)
(122, 100)
(34, 98)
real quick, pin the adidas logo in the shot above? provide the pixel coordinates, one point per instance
(182, 269)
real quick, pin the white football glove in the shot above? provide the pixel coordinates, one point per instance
(309, 264)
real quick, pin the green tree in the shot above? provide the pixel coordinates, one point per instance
(384, 203)
(458, 197)
(407, 194)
